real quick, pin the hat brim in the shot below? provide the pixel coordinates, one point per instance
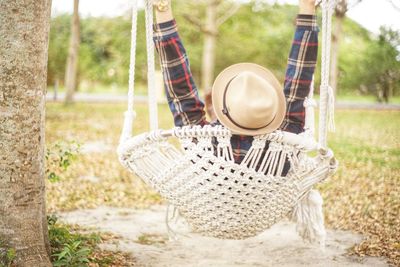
(218, 94)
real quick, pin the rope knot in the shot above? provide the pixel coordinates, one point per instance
(309, 102)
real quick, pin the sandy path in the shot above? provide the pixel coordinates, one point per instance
(278, 246)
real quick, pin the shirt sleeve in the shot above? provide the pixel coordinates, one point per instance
(300, 71)
(182, 94)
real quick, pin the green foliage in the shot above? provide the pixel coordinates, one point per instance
(72, 255)
(58, 47)
(369, 64)
(59, 157)
(258, 32)
(382, 71)
(7, 255)
(103, 52)
(354, 44)
(267, 43)
(73, 249)
(69, 248)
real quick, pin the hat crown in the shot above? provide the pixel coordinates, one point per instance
(250, 100)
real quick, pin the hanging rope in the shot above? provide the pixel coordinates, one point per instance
(151, 77)
(326, 93)
(130, 114)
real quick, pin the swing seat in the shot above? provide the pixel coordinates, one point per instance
(217, 196)
(199, 176)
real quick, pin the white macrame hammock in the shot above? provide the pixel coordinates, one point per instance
(216, 196)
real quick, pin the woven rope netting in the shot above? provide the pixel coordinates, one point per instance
(199, 177)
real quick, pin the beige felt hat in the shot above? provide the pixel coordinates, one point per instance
(248, 99)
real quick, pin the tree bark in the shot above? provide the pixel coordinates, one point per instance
(209, 51)
(71, 70)
(24, 28)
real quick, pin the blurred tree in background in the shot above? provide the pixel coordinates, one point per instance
(58, 48)
(258, 32)
(217, 12)
(71, 71)
(382, 65)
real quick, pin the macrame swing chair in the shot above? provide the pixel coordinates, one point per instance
(216, 196)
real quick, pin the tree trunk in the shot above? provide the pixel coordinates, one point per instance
(56, 84)
(386, 86)
(209, 51)
(340, 13)
(24, 28)
(390, 90)
(71, 70)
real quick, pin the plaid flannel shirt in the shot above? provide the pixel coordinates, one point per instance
(183, 97)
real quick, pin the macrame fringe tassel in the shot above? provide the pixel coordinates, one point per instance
(309, 218)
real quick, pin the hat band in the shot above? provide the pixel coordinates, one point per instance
(226, 112)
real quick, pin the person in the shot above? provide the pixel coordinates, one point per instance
(246, 97)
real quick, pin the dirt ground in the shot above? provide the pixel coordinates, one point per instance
(143, 234)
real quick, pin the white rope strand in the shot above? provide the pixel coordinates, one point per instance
(150, 66)
(130, 113)
(331, 110)
(309, 105)
(331, 95)
(325, 97)
(322, 106)
(131, 85)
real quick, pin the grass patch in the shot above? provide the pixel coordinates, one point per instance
(97, 88)
(7, 255)
(151, 239)
(71, 248)
(364, 196)
(365, 98)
